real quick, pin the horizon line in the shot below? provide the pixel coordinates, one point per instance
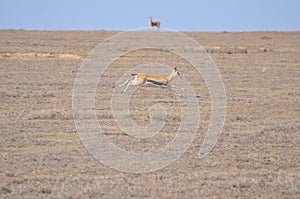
(122, 30)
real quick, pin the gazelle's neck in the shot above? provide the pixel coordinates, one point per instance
(171, 76)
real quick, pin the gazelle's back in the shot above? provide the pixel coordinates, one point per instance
(160, 79)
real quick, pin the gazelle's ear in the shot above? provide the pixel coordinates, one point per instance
(175, 69)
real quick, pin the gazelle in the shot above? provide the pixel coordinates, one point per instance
(141, 78)
(154, 23)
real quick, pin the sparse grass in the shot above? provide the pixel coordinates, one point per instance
(57, 137)
(35, 55)
(50, 114)
(43, 149)
(256, 156)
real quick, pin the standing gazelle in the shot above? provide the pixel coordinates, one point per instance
(142, 78)
(154, 23)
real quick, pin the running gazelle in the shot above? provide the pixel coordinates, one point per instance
(141, 78)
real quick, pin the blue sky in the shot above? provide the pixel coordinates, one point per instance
(188, 15)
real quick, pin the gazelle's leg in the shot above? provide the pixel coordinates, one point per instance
(124, 83)
(132, 82)
(129, 83)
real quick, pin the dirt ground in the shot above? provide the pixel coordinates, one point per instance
(256, 156)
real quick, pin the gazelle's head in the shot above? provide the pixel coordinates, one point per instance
(173, 74)
(176, 72)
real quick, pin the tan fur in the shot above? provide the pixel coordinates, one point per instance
(142, 78)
